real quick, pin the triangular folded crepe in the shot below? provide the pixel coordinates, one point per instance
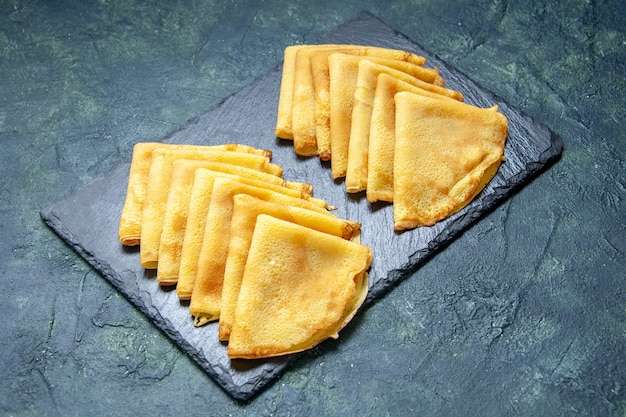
(245, 211)
(159, 183)
(130, 219)
(343, 73)
(207, 290)
(300, 287)
(445, 153)
(381, 140)
(364, 93)
(405, 61)
(177, 207)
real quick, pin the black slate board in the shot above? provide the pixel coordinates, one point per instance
(87, 220)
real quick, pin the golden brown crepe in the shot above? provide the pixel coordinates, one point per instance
(245, 211)
(177, 207)
(207, 289)
(364, 93)
(300, 287)
(445, 153)
(130, 219)
(159, 183)
(343, 70)
(381, 140)
(405, 61)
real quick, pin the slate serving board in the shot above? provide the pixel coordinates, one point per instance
(87, 220)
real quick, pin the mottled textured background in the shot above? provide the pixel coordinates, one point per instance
(524, 314)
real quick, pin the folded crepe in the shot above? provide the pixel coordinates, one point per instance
(246, 209)
(321, 84)
(284, 129)
(381, 140)
(303, 101)
(364, 93)
(130, 219)
(198, 208)
(343, 73)
(159, 183)
(445, 153)
(300, 287)
(177, 207)
(207, 289)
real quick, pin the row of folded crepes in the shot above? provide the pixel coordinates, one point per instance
(390, 128)
(244, 246)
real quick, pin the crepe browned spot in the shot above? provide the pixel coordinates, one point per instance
(364, 93)
(343, 70)
(246, 209)
(177, 207)
(445, 153)
(207, 289)
(300, 287)
(130, 219)
(159, 183)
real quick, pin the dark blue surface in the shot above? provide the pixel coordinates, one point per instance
(521, 315)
